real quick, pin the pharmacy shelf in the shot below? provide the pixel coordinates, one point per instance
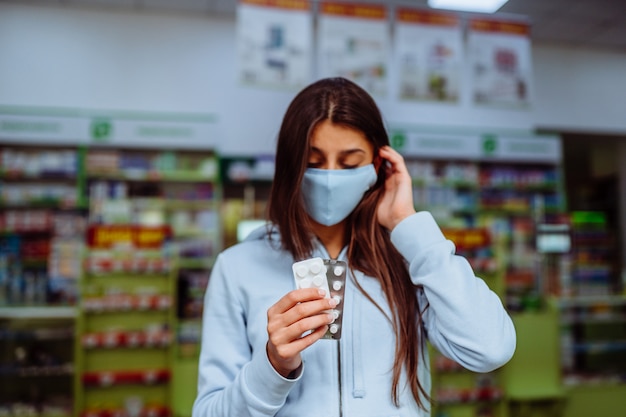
(38, 312)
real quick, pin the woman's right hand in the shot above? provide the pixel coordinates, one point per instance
(298, 312)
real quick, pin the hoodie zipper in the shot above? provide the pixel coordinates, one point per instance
(339, 378)
(339, 381)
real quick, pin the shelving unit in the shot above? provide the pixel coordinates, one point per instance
(41, 225)
(182, 189)
(457, 391)
(41, 240)
(63, 172)
(247, 182)
(593, 270)
(488, 193)
(506, 198)
(125, 340)
(129, 320)
(464, 393)
(518, 197)
(592, 307)
(593, 339)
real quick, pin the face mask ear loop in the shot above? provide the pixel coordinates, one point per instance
(379, 164)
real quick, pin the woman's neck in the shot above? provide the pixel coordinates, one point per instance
(332, 237)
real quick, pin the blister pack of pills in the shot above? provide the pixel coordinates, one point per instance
(330, 276)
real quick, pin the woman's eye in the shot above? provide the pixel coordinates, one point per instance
(313, 164)
(350, 166)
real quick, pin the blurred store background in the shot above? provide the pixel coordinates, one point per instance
(137, 141)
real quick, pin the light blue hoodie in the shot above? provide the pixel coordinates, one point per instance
(351, 377)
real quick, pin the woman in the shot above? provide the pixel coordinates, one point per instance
(341, 192)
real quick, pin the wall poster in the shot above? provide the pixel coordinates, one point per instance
(428, 55)
(500, 62)
(353, 42)
(274, 42)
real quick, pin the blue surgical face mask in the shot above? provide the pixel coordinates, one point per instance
(330, 195)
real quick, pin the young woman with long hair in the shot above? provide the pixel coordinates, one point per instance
(341, 192)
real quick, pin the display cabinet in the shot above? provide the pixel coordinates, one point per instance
(592, 306)
(594, 256)
(593, 339)
(509, 199)
(124, 339)
(490, 192)
(180, 189)
(457, 391)
(41, 225)
(41, 240)
(247, 183)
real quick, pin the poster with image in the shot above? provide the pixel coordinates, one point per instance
(274, 43)
(500, 62)
(428, 55)
(353, 42)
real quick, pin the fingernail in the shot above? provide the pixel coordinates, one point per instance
(321, 292)
(333, 302)
(331, 318)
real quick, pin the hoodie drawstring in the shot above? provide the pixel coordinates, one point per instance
(358, 380)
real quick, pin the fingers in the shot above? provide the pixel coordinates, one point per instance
(390, 154)
(285, 357)
(298, 312)
(294, 297)
(292, 331)
(301, 343)
(395, 161)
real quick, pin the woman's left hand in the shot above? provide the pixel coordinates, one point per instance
(397, 202)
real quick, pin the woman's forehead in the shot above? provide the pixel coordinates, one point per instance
(329, 137)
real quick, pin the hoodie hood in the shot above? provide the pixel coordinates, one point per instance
(268, 231)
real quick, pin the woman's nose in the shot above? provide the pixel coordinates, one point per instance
(331, 165)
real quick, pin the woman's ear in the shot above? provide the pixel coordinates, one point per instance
(378, 162)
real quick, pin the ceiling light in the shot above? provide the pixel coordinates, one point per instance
(480, 6)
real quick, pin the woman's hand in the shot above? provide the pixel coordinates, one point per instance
(298, 312)
(397, 203)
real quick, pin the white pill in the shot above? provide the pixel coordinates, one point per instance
(336, 314)
(305, 283)
(334, 328)
(337, 298)
(301, 271)
(337, 285)
(338, 270)
(315, 268)
(318, 280)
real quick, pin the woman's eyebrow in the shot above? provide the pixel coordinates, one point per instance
(351, 151)
(344, 152)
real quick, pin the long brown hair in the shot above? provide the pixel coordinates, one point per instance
(370, 249)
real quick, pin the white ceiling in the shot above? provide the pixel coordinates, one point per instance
(596, 24)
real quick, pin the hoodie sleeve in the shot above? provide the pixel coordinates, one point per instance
(232, 380)
(465, 320)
